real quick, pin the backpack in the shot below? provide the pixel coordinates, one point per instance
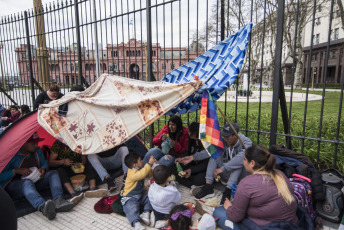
(332, 207)
(104, 205)
(303, 193)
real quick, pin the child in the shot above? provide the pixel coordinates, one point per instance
(133, 194)
(162, 196)
(180, 219)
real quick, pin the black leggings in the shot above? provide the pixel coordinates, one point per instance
(197, 179)
(66, 172)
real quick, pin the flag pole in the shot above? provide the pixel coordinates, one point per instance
(230, 124)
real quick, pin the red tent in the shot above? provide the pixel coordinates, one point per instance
(17, 134)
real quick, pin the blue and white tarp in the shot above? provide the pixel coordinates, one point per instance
(218, 68)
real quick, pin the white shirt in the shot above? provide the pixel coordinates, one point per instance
(163, 199)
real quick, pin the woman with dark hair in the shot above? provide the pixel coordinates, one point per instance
(24, 109)
(262, 198)
(172, 141)
(47, 96)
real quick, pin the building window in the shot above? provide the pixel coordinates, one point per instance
(27, 68)
(66, 67)
(104, 67)
(317, 39)
(127, 53)
(336, 34)
(163, 66)
(87, 78)
(331, 35)
(317, 21)
(77, 67)
(144, 68)
(57, 79)
(94, 78)
(153, 65)
(67, 80)
(87, 67)
(172, 66)
(123, 67)
(72, 67)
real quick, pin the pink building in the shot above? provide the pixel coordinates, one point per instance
(124, 59)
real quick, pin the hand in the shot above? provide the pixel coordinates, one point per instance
(42, 171)
(188, 173)
(172, 143)
(67, 162)
(178, 160)
(186, 160)
(217, 172)
(227, 204)
(22, 171)
(152, 160)
(4, 118)
(163, 137)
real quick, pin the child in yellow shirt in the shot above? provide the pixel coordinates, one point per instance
(133, 193)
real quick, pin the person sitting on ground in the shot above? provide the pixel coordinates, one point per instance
(24, 109)
(196, 161)
(2, 110)
(229, 166)
(10, 115)
(162, 196)
(178, 142)
(12, 178)
(263, 197)
(133, 194)
(62, 158)
(47, 96)
(109, 160)
(180, 219)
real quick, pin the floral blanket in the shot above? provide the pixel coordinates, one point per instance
(111, 111)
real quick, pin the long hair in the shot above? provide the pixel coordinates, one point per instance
(265, 162)
(178, 121)
(182, 222)
(25, 109)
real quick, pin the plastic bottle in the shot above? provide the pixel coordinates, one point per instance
(234, 186)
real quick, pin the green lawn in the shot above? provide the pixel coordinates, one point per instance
(329, 127)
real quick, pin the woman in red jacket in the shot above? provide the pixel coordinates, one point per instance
(10, 115)
(175, 135)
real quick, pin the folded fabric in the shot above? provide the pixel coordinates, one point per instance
(165, 146)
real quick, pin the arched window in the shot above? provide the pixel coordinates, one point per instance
(104, 67)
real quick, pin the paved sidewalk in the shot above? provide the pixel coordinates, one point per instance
(83, 216)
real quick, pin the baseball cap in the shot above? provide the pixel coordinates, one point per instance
(35, 138)
(228, 131)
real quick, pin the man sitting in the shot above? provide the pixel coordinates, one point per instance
(229, 166)
(11, 178)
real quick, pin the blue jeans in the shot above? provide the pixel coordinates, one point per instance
(102, 164)
(224, 222)
(162, 158)
(26, 188)
(3, 123)
(131, 208)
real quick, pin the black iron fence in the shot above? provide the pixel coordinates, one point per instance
(293, 44)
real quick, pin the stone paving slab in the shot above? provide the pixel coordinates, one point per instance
(83, 216)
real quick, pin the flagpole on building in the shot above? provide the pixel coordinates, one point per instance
(230, 124)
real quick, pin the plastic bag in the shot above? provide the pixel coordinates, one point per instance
(165, 146)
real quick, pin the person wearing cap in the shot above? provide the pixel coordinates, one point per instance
(17, 179)
(229, 166)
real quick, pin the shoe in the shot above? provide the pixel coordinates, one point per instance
(196, 189)
(96, 193)
(77, 197)
(110, 183)
(160, 224)
(62, 205)
(202, 208)
(206, 192)
(48, 209)
(152, 220)
(226, 194)
(138, 226)
(145, 217)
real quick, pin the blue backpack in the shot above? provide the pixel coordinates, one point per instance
(303, 194)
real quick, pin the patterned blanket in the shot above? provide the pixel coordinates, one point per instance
(111, 111)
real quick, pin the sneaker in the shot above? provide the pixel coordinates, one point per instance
(202, 208)
(110, 183)
(96, 193)
(138, 226)
(206, 192)
(152, 220)
(62, 205)
(226, 194)
(160, 224)
(48, 209)
(145, 217)
(77, 197)
(196, 189)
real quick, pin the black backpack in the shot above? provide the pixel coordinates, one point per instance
(332, 207)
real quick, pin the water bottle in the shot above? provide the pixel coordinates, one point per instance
(234, 186)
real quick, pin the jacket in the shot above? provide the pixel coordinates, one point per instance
(11, 117)
(7, 174)
(238, 153)
(163, 199)
(134, 182)
(181, 143)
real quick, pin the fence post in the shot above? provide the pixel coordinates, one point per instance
(96, 38)
(149, 56)
(277, 72)
(81, 78)
(30, 57)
